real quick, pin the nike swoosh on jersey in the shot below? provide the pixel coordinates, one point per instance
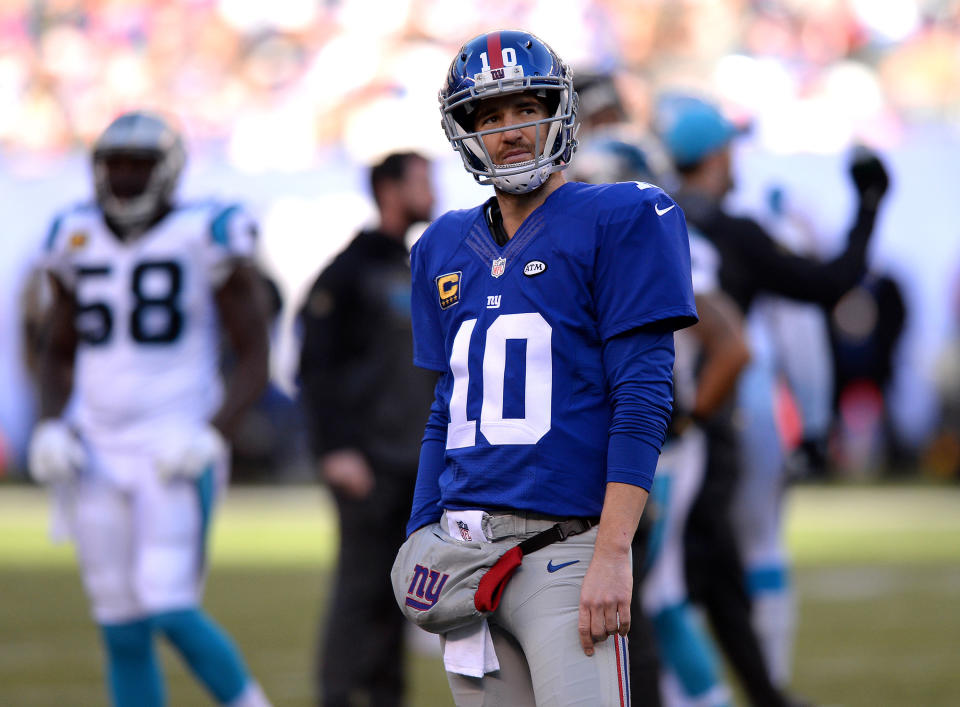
(656, 208)
(553, 568)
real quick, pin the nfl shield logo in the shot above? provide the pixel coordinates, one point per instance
(499, 265)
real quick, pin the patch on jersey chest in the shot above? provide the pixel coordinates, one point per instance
(498, 267)
(448, 288)
(534, 267)
(77, 240)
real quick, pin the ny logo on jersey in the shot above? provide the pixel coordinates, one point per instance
(448, 288)
(493, 301)
(499, 266)
(426, 585)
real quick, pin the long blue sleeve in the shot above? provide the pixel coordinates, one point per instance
(639, 371)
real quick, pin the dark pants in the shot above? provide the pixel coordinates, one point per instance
(361, 659)
(714, 569)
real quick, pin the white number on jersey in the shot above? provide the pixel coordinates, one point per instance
(538, 384)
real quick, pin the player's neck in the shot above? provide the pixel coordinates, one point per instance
(514, 208)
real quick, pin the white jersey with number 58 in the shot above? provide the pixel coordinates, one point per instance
(148, 337)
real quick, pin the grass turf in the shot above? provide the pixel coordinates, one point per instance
(878, 573)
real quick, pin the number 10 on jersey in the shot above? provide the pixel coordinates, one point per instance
(530, 327)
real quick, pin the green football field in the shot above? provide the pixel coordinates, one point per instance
(878, 573)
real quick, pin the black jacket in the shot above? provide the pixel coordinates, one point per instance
(751, 262)
(358, 383)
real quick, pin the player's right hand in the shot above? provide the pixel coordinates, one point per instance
(347, 471)
(56, 453)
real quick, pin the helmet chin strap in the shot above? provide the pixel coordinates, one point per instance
(524, 182)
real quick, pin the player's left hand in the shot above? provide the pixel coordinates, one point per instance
(605, 598)
(189, 455)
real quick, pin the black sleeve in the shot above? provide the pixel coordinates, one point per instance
(325, 323)
(824, 282)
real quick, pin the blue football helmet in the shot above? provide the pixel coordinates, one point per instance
(143, 137)
(499, 63)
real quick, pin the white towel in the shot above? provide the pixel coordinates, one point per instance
(469, 650)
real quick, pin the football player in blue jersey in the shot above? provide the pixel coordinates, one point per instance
(134, 416)
(549, 312)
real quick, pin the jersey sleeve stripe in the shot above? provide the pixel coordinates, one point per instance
(52, 234)
(218, 229)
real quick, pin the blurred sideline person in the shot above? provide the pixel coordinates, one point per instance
(367, 404)
(140, 286)
(549, 311)
(866, 326)
(709, 358)
(698, 139)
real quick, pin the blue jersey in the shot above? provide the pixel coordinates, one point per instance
(519, 331)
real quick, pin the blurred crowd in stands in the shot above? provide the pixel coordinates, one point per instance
(238, 71)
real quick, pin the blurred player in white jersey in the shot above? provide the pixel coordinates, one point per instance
(133, 413)
(790, 344)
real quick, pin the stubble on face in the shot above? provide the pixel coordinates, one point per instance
(512, 146)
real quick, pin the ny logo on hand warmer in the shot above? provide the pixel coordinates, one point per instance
(426, 585)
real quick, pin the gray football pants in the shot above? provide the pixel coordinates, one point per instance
(535, 633)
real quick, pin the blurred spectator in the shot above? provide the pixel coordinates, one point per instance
(269, 442)
(367, 405)
(865, 329)
(943, 454)
(698, 138)
(68, 67)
